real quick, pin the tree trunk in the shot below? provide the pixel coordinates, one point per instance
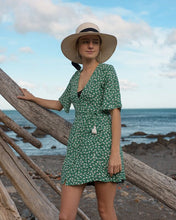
(44, 119)
(155, 183)
(19, 130)
(151, 181)
(37, 169)
(8, 210)
(40, 206)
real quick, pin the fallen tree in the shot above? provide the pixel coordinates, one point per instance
(19, 130)
(153, 182)
(41, 173)
(33, 197)
(44, 119)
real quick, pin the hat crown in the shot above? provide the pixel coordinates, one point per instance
(87, 27)
(69, 44)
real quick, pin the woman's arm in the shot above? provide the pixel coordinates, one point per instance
(115, 159)
(50, 104)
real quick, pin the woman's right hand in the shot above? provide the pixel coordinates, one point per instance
(50, 104)
(26, 95)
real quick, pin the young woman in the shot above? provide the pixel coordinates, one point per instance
(94, 155)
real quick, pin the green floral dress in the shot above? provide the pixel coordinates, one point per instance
(90, 137)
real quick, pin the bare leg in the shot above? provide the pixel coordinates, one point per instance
(70, 198)
(105, 197)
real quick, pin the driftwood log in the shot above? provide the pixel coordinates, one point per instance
(19, 130)
(151, 181)
(32, 196)
(8, 209)
(44, 119)
(155, 183)
(42, 174)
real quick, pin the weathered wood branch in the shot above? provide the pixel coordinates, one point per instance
(42, 174)
(151, 181)
(19, 130)
(8, 210)
(32, 196)
(28, 160)
(44, 119)
(159, 186)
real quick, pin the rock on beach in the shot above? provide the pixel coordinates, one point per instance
(131, 203)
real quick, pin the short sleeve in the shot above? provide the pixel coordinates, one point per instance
(111, 96)
(65, 99)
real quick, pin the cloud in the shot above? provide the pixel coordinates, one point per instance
(27, 85)
(169, 75)
(126, 32)
(2, 58)
(26, 50)
(2, 50)
(46, 17)
(172, 64)
(171, 38)
(169, 69)
(127, 85)
(40, 16)
(133, 33)
(7, 57)
(13, 58)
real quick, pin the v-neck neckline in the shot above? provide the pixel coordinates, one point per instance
(87, 81)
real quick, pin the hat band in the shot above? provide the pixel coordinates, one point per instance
(89, 29)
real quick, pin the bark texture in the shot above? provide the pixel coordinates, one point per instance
(32, 196)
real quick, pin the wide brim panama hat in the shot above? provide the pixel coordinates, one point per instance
(108, 43)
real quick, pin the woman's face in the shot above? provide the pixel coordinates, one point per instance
(89, 47)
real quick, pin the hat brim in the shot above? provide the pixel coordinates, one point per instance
(108, 46)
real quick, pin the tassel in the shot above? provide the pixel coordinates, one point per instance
(94, 130)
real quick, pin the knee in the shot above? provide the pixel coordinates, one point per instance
(107, 211)
(103, 212)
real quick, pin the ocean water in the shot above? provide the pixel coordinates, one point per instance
(150, 121)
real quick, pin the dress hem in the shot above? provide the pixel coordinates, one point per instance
(91, 182)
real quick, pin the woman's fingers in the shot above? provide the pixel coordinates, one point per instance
(110, 170)
(115, 165)
(114, 169)
(26, 94)
(21, 96)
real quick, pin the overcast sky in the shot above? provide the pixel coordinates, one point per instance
(31, 32)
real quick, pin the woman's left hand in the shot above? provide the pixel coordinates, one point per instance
(114, 165)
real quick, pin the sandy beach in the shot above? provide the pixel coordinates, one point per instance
(131, 203)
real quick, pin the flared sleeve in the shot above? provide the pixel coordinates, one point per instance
(111, 96)
(65, 99)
